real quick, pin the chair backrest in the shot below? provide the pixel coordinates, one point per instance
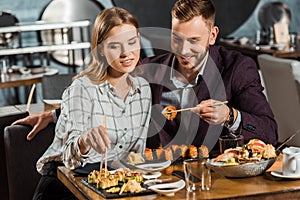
(6, 120)
(21, 158)
(283, 95)
(54, 85)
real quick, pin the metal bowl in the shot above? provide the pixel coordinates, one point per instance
(242, 170)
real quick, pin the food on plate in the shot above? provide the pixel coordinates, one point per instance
(193, 151)
(148, 154)
(135, 158)
(107, 180)
(175, 147)
(176, 151)
(253, 151)
(169, 113)
(113, 190)
(132, 186)
(184, 150)
(159, 153)
(269, 152)
(256, 145)
(168, 154)
(203, 151)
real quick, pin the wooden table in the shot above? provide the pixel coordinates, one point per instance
(17, 79)
(260, 187)
(34, 108)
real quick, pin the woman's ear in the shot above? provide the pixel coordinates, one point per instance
(213, 35)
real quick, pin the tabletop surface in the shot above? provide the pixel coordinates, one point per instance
(253, 50)
(17, 79)
(258, 187)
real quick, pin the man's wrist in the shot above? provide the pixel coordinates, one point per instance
(230, 119)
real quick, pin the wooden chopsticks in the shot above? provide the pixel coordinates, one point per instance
(185, 109)
(105, 154)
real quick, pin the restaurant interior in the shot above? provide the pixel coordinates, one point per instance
(44, 43)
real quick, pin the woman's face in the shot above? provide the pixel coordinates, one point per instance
(122, 49)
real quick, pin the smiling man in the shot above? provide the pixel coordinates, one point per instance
(198, 74)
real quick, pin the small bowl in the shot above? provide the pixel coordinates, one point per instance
(168, 189)
(242, 170)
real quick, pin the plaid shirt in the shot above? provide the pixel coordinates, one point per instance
(83, 107)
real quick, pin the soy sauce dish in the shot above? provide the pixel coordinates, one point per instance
(168, 189)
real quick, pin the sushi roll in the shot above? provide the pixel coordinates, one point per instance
(159, 153)
(193, 151)
(184, 150)
(168, 154)
(148, 154)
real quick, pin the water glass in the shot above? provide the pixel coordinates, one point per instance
(230, 141)
(197, 175)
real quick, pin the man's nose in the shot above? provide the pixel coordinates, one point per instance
(185, 47)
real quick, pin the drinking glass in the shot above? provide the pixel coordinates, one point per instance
(230, 141)
(197, 175)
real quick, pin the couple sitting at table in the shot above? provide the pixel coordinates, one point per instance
(107, 108)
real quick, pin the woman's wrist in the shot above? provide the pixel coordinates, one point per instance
(82, 147)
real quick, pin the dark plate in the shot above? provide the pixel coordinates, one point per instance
(107, 195)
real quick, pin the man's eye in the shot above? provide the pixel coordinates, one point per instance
(193, 41)
(176, 39)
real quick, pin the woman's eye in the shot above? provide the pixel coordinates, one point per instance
(113, 46)
(132, 42)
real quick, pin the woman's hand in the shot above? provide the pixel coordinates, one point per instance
(212, 111)
(37, 122)
(96, 138)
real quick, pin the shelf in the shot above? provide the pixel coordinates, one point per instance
(46, 48)
(41, 25)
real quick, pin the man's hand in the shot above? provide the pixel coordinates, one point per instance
(96, 138)
(37, 122)
(212, 113)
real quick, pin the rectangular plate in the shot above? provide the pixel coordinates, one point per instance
(107, 195)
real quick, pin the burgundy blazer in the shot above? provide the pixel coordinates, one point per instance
(228, 76)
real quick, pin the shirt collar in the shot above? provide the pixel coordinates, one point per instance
(106, 86)
(179, 84)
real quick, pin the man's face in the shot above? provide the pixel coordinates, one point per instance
(191, 40)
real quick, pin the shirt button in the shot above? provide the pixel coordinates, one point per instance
(125, 129)
(120, 146)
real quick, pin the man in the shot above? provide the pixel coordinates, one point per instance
(200, 75)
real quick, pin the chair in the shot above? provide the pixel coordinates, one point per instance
(6, 121)
(54, 85)
(283, 95)
(21, 158)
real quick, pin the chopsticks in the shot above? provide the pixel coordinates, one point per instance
(105, 155)
(185, 109)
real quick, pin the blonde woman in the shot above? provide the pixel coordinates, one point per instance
(104, 108)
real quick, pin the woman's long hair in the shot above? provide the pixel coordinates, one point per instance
(104, 23)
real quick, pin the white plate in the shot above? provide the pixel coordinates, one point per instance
(168, 189)
(52, 101)
(151, 175)
(280, 175)
(153, 167)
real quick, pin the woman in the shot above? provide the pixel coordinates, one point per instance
(105, 107)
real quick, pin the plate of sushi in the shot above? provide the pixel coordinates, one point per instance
(117, 183)
(175, 152)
